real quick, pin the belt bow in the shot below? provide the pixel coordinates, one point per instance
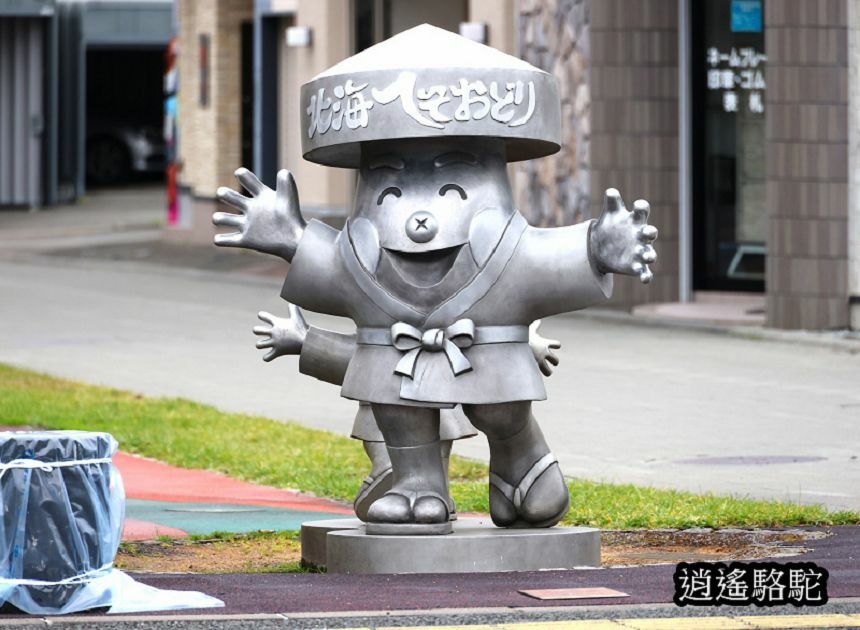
(408, 339)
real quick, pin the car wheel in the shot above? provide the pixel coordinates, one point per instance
(108, 161)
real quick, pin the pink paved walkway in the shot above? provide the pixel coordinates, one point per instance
(152, 480)
(134, 530)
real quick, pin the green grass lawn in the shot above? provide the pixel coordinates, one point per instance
(286, 455)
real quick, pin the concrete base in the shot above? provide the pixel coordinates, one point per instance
(475, 546)
(314, 537)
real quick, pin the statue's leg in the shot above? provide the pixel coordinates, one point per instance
(446, 465)
(378, 481)
(418, 499)
(527, 488)
(453, 425)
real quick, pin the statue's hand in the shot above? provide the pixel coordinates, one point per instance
(268, 221)
(543, 348)
(620, 241)
(283, 335)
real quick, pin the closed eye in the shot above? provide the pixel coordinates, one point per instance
(448, 187)
(391, 190)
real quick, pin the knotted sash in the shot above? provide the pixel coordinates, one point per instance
(451, 340)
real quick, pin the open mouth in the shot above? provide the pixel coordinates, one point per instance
(424, 269)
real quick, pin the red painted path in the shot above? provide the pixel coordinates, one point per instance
(151, 480)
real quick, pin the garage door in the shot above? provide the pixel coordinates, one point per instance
(21, 110)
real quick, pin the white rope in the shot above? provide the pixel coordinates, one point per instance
(48, 466)
(75, 579)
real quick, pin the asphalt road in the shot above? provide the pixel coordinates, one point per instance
(647, 405)
(629, 403)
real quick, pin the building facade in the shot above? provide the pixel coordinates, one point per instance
(732, 117)
(59, 61)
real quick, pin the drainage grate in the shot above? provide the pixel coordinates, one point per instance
(751, 460)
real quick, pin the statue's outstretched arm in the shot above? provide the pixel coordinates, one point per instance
(621, 241)
(542, 349)
(323, 354)
(282, 335)
(268, 221)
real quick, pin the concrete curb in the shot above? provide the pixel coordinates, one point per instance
(842, 340)
(435, 617)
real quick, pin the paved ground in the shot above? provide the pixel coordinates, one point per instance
(653, 617)
(170, 501)
(648, 405)
(629, 403)
(652, 584)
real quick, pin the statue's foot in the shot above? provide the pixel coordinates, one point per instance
(418, 500)
(404, 512)
(372, 489)
(539, 499)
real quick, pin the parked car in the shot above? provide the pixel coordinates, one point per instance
(115, 151)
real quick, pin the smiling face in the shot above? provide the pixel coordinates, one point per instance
(421, 195)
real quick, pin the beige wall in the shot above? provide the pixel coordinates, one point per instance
(210, 143)
(210, 137)
(331, 22)
(500, 16)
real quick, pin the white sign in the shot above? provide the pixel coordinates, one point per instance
(739, 73)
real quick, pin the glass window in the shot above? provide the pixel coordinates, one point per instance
(729, 84)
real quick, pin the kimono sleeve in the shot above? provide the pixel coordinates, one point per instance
(326, 354)
(555, 273)
(316, 280)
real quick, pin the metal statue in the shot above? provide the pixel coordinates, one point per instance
(440, 273)
(327, 357)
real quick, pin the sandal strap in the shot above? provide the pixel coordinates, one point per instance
(516, 495)
(367, 484)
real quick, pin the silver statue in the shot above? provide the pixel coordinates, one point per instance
(328, 362)
(440, 273)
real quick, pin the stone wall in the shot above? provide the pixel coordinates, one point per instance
(807, 163)
(554, 36)
(617, 66)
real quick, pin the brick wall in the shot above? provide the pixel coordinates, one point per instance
(210, 140)
(807, 163)
(634, 126)
(616, 62)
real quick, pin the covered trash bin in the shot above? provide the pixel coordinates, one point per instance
(63, 511)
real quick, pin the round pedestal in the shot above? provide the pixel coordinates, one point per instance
(476, 545)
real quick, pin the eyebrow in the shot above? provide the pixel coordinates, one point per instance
(386, 161)
(455, 157)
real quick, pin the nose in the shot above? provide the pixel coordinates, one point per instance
(421, 227)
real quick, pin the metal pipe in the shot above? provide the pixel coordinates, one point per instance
(685, 202)
(854, 164)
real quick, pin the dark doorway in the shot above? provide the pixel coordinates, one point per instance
(124, 114)
(266, 163)
(729, 187)
(247, 113)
